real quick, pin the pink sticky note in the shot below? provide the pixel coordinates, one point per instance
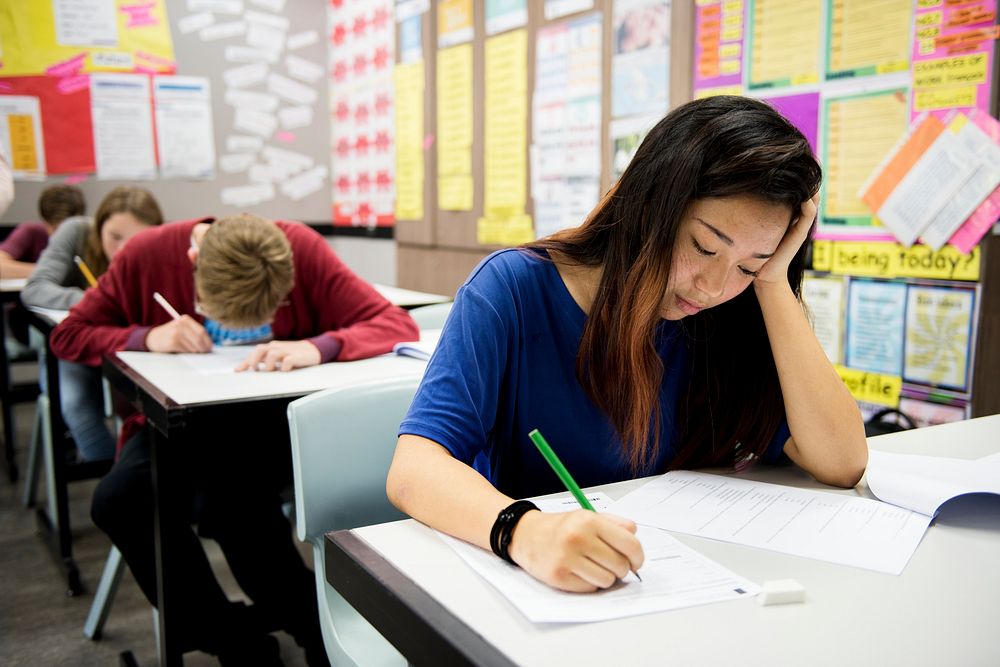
(73, 179)
(283, 135)
(428, 141)
(5, 87)
(153, 58)
(67, 67)
(141, 20)
(982, 219)
(71, 84)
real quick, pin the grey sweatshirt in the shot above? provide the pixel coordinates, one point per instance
(56, 281)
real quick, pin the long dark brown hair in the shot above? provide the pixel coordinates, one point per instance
(715, 147)
(138, 202)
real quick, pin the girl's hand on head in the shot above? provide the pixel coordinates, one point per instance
(580, 551)
(775, 270)
(281, 355)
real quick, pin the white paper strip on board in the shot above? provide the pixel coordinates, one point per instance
(247, 195)
(236, 53)
(255, 122)
(242, 143)
(272, 5)
(295, 117)
(266, 37)
(222, 31)
(302, 39)
(245, 75)
(290, 90)
(232, 163)
(302, 69)
(217, 6)
(193, 22)
(248, 99)
(262, 18)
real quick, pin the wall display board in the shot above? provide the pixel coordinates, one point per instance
(215, 106)
(895, 97)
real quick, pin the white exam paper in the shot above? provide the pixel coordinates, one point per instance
(830, 527)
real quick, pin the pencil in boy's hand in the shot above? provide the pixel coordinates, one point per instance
(166, 305)
(85, 270)
(563, 474)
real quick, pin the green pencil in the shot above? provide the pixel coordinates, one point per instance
(560, 470)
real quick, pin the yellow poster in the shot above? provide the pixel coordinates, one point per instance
(938, 335)
(860, 130)
(878, 259)
(74, 36)
(868, 37)
(409, 80)
(871, 387)
(506, 140)
(455, 22)
(21, 136)
(454, 128)
(784, 43)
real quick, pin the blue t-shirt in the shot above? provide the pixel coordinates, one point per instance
(506, 364)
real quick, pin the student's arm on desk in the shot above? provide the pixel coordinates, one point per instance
(578, 551)
(11, 269)
(357, 322)
(52, 285)
(828, 437)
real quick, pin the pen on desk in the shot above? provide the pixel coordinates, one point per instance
(166, 305)
(85, 270)
(563, 474)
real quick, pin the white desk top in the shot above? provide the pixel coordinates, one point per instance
(943, 609)
(177, 378)
(406, 298)
(17, 284)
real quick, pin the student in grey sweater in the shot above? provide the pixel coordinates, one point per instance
(58, 283)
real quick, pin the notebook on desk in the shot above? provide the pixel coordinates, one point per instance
(419, 349)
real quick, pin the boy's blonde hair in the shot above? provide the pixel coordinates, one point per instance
(244, 270)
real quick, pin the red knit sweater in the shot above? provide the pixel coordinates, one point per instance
(345, 317)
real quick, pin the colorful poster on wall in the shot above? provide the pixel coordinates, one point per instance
(566, 123)
(184, 133)
(361, 104)
(640, 44)
(504, 15)
(21, 136)
(953, 56)
(824, 301)
(454, 128)
(409, 80)
(939, 335)
(874, 340)
(455, 22)
(865, 37)
(68, 37)
(784, 43)
(718, 47)
(859, 130)
(505, 156)
(65, 118)
(802, 110)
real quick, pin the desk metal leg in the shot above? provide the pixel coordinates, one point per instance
(6, 405)
(162, 463)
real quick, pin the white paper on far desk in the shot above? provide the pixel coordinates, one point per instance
(419, 349)
(924, 483)
(674, 576)
(826, 526)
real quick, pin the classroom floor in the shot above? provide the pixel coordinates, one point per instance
(39, 625)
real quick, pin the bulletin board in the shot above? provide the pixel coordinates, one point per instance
(908, 325)
(527, 107)
(264, 118)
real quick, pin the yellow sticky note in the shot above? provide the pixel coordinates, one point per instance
(970, 69)
(871, 387)
(944, 98)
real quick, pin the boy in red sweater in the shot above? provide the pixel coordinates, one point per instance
(275, 283)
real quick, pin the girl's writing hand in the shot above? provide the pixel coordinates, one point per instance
(580, 551)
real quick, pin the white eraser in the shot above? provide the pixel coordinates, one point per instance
(781, 591)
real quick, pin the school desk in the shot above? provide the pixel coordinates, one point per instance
(408, 298)
(172, 393)
(52, 447)
(942, 610)
(10, 393)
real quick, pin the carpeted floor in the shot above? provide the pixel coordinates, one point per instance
(39, 624)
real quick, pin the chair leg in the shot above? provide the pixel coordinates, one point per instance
(114, 567)
(34, 453)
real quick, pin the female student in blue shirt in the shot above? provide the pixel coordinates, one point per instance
(665, 332)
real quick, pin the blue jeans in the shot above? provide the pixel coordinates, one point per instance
(82, 403)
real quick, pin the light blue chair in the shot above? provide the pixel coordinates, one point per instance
(342, 444)
(432, 316)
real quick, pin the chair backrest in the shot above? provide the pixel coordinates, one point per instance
(432, 316)
(343, 440)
